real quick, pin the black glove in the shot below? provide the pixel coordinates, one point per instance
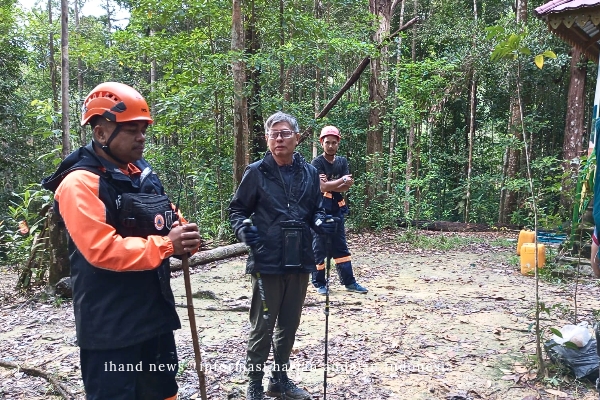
(249, 235)
(328, 226)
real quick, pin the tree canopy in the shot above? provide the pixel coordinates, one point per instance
(297, 55)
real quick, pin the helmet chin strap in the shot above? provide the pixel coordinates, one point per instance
(106, 147)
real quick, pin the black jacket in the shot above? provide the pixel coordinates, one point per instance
(116, 309)
(262, 196)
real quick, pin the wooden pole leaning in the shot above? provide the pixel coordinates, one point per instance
(192, 317)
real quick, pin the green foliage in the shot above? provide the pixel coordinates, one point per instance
(511, 46)
(190, 145)
(24, 207)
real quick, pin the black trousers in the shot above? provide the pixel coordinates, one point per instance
(285, 297)
(145, 371)
(340, 253)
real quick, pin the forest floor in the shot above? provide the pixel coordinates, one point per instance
(447, 316)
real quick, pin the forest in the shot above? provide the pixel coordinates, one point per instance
(433, 124)
(449, 111)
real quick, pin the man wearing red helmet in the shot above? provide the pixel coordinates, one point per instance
(335, 179)
(122, 230)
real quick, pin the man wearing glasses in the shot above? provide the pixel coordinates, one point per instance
(282, 195)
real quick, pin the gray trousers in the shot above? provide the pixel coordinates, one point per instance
(285, 297)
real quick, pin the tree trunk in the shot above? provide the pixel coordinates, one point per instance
(282, 90)
(240, 103)
(59, 254)
(82, 135)
(255, 119)
(513, 162)
(108, 17)
(411, 134)
(509, 198)
(472, 114)
(471, 135)
(394, 127)
(317, 103)
(64, 84)
(204, 257)
(378, 86)
(153, 79)
(574, 127)
(317, 107)
(503, 184)
(52, 64)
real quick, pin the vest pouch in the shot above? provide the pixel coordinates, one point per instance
(142, 215)
(292, 244)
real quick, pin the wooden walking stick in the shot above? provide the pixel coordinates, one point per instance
(185, 264)
(192, 317)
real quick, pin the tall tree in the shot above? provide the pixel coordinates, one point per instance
(378, 87)
(282, 78)
(257, 142)
(240, 103)
(574, 126)
(394, 123)
(52, 62)
(471, 119)
(82, 136)
(411, 133)
(318, 9)
(64, 82)
(153, 78)
(508, 197)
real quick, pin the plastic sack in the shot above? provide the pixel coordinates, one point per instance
(579, 334)
(582, 362)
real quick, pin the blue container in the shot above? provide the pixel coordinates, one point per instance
(551, 237)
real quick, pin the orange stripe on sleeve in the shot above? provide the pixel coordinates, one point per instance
(342, 259)
(85, 218)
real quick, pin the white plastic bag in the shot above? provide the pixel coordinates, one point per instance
(578, 334)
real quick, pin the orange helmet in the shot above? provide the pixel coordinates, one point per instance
(116, 102)
(330, 131)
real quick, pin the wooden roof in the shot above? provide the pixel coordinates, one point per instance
(574, 21)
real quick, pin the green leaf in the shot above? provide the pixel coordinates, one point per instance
(549, 54)
(539, 61)
(525, 50)
(513, 40)
(556, 332)
(571, 345)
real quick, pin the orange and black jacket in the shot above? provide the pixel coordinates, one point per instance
(121, 281)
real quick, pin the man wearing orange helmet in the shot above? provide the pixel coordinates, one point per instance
(122, 230)
(335, 178)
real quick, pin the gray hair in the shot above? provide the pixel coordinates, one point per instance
(281, 117)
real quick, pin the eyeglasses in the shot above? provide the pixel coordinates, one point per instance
(285, 134)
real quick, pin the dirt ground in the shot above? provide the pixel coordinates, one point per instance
(436, 324)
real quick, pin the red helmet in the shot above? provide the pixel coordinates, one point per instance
(116, 102)
(329, 131)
